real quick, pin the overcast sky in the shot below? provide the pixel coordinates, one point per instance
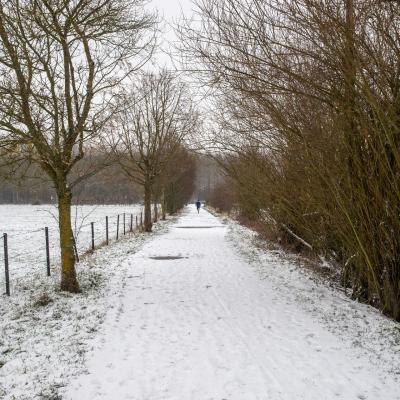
(172, 8)
(170, 11)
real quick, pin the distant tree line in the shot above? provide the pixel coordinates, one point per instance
(307, 126)
(208, 177)
(109, 186)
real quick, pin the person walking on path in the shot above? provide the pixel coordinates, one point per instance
(198, 205)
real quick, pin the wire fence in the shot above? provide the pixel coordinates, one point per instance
(20, 259)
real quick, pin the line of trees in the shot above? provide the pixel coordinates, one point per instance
(64, 69)
(308, 117)
(155, 118)
(30, 185)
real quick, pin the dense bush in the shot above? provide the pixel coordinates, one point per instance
(309, 118)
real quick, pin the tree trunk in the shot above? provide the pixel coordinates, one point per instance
(155, 210)
(147, 205)
(69, 282)
(163, 205)
(172, 194)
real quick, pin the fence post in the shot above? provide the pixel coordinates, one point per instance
(46, 232)
(136, 222)
(6, 264)
(107, 231)
(141, 219)
(117, 226)
(124, 225)
(131, 222)
(92, 227)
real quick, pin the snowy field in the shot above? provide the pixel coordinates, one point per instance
(45, 334)
(24, 225)
(196, 310)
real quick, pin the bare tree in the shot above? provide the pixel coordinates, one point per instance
(157, 117)
(178, 183)
(308, 112)
(60, 61)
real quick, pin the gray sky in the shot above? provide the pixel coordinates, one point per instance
(171, 8)
(170, 11)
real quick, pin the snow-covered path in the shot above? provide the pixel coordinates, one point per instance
(204, 326)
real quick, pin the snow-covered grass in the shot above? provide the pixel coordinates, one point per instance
(217, 318)
(44, 333)
(24, 225)
(363, 328)
(199, 312)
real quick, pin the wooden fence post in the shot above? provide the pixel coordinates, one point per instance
(92, 228)
(117, 226)
(46, 232)
(124, 225)
(131, 223)
(6, 264)
(107, 231)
